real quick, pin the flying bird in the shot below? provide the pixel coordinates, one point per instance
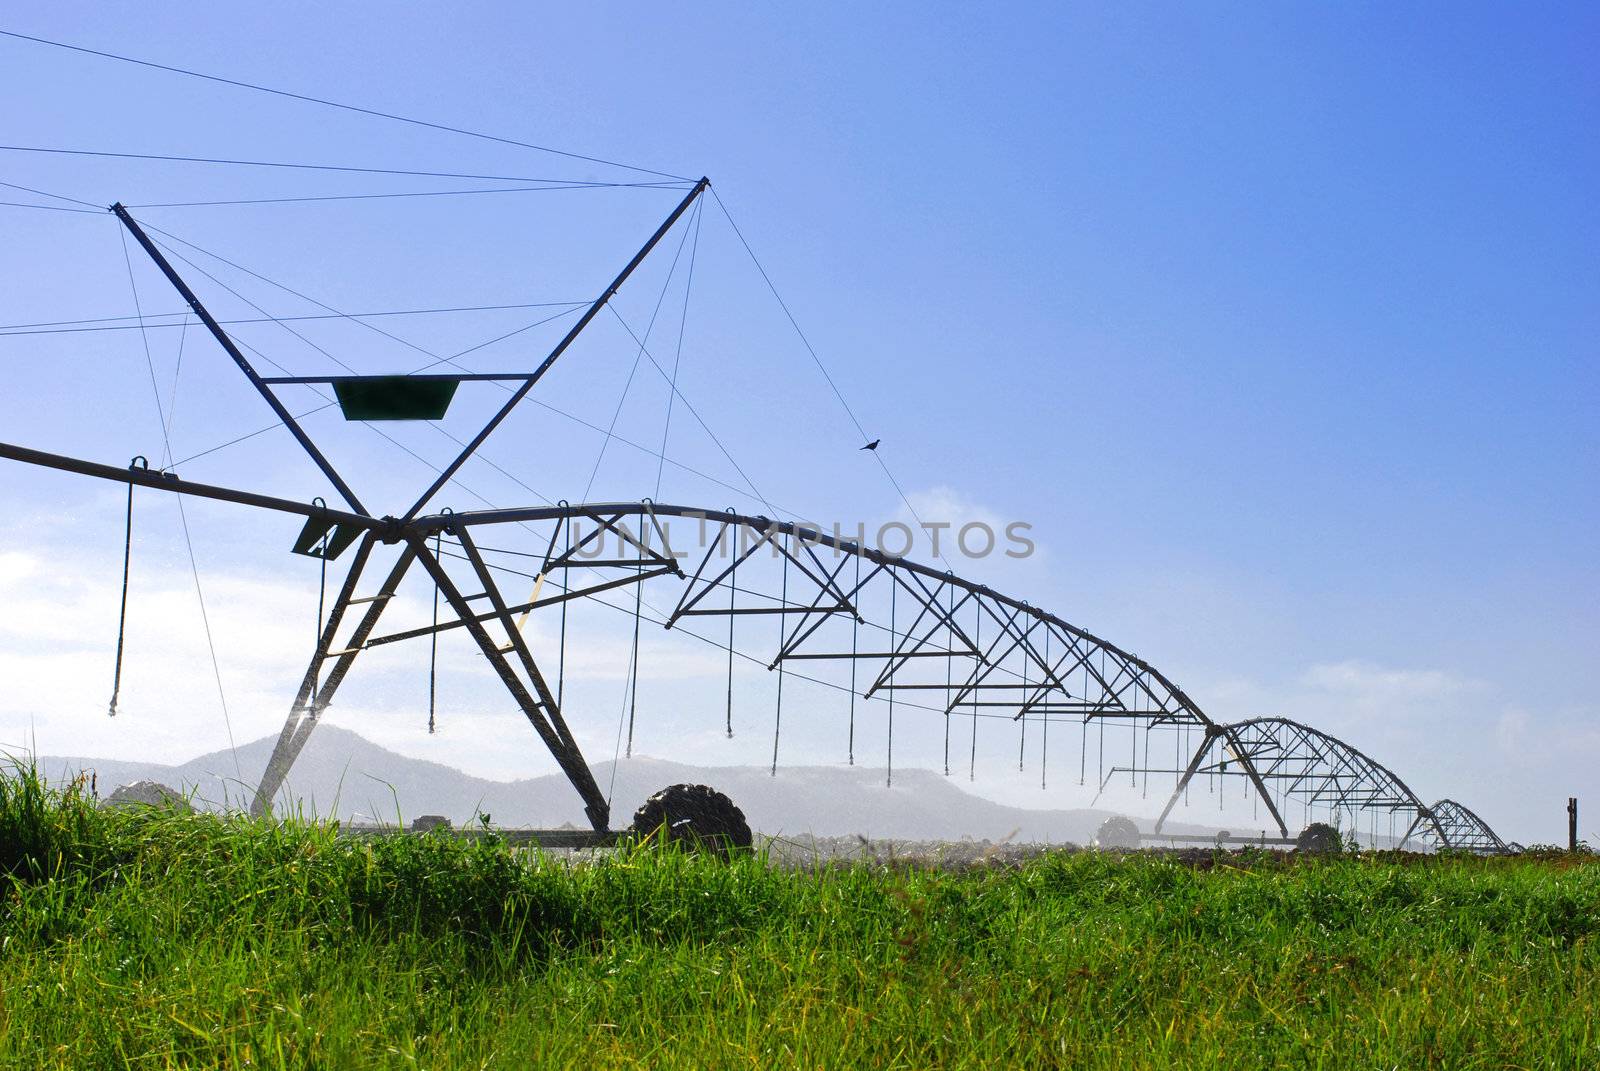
(873, 445)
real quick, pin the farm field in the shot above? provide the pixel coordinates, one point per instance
(146, 938)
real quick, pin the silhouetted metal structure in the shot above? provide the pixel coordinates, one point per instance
(1290, 762)
(1463, 831)
(901, 632)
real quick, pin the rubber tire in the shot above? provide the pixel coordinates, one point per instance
(697, 817)
(1117, 834)
(1319, 838)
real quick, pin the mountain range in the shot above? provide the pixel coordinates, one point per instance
(341, 774)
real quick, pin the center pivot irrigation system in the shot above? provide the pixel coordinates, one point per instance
(907, 636)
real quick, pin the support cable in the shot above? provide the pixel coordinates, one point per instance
(777, 721)
(282, 164)
(894, 645)
(1044, 741)
(118, 323)
(211, 645)
(633, 691)
(322, 599)
(1179, 738)
(1022, 718)
(817, 360)
(977, 641)
(356, 108)
(695, 413)
(627, 386)
(87, 205)
(552, 185)
(172, 395)
(733, 593)
(1146, 794)
(48, 208)
(561, 656)
(433, 641)
(183, 516)
(855, 636)
(949, 660)
(122, 614)
(616, 748)
(567, 309)
(638, 593)
(677, 357)
(1186, 739)
(1100, 778)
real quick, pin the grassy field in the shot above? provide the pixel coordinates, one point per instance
(159, 940)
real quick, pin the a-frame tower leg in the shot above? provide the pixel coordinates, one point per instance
(316, 692)
(533, 696)
(1213, 734)
(538, 705)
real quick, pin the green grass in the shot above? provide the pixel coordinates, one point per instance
(151, 939)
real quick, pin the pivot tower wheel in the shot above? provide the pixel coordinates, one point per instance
(1319, 838)
(1117, 834)
(696, 816)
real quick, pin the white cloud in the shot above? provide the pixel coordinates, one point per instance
(16, 566)
(1369, 684)
(1352, 695)
(947, 504)
(948, 511)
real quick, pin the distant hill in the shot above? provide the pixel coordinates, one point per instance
(341, 773)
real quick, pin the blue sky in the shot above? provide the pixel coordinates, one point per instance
(1279, 325)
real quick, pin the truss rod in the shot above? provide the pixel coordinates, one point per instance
(520, 608)
(566, 755)
(303, 718)
(167, 481)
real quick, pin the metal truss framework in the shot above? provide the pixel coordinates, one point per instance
(1287, 761)
(931, 638)
(973, 649)
(987, 650)
(1010, 656)
(1464, 831)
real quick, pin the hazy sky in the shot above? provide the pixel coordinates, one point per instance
(1278, 325)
